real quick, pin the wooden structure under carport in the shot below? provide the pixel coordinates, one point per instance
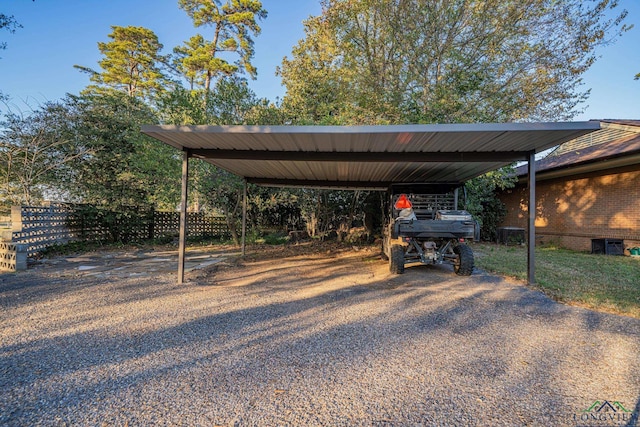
(368, 157)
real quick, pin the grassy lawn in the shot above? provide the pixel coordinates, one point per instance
(601, 282)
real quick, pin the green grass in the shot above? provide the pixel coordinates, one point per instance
(601, 282)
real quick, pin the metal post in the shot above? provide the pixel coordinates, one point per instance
(183, 215)
(244, 218)
(455, 199)
(531, 259)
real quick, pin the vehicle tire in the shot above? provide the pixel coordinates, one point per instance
(396, 261)
(464, 263)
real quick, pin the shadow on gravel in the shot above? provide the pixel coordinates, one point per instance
(29, 287)
(278, 330)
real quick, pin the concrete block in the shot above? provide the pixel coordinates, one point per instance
(22, 251)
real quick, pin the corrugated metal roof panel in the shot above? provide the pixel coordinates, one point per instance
(511, 141)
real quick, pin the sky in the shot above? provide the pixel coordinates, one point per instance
(37, 65)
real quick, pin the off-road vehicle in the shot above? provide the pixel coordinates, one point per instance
(423, 224)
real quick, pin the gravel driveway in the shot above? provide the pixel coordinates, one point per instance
(325, 339)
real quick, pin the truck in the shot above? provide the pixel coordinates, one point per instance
(422, 224)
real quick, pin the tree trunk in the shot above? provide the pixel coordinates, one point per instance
(207, 81)
(231, 224)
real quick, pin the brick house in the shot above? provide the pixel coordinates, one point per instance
(587, 188)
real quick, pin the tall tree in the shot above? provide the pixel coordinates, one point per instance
(318, 84)
(234, 22)
(132, 62)
(124, 167)
(433, 61)
(429, 61)
(32, 150)
(230, 102)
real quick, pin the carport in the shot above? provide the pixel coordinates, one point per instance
(364, 157)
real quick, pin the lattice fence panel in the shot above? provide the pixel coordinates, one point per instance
(40, 227)
(198, 225)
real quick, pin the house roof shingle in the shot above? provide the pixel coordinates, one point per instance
(616, 138)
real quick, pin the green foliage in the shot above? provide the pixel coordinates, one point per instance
(275, 239)
(223, 191)
(274, 208)
(33, 148)
(132, 62)
(122, 224)
(421, 61)
(230, 102)
(481, 202)
(317, 83)
(331, 210)
(233, 22)
(124, 167)
(87, 148)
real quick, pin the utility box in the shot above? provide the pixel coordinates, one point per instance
(511, 235)
(607, 246)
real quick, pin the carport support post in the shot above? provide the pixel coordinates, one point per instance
(244, 218)
(531, 207)
(183, 215)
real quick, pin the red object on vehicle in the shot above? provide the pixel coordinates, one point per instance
(403, 202)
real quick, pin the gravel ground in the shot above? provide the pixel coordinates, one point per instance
(327, 339)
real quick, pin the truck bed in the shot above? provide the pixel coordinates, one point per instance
(423, 229)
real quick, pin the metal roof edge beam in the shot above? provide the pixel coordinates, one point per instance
(375, 129)
(335, 185)
(353, 156)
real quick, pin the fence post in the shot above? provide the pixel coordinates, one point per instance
(151, 225)
(16, 219)
(13, 257)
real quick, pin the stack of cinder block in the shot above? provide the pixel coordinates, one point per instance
(13, 256)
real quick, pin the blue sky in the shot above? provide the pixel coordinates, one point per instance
(37, 65)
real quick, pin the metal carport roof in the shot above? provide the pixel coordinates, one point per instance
(366, 156)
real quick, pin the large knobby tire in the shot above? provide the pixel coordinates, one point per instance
(396, 261)
(464, 264)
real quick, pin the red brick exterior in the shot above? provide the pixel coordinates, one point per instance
(575, 209)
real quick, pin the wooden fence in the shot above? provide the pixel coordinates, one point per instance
(39, 227)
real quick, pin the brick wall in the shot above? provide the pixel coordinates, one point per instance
(573, 210)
